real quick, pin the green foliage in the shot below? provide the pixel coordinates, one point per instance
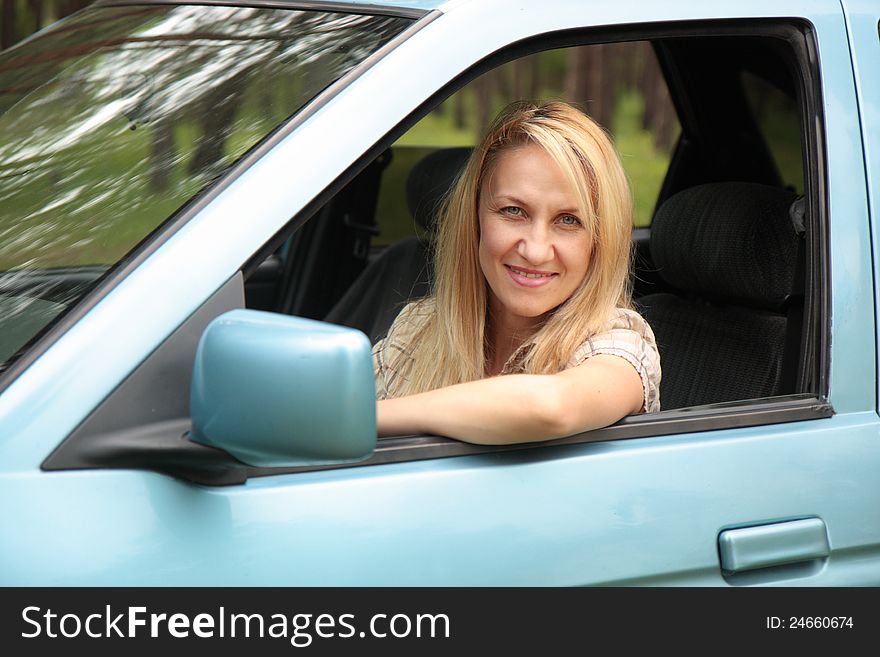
(644, 163)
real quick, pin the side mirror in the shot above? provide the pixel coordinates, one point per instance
(279, 391)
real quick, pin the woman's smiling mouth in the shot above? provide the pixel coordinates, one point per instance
(530, 277)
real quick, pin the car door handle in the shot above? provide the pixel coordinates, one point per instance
(761, 546)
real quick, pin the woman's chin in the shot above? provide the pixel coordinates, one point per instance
(531, 311)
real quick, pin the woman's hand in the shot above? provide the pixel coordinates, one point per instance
(519, 408)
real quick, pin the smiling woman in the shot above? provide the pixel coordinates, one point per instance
(528, 218)
(532, 283)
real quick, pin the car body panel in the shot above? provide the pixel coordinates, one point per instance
(641, 511)
(632, 512)
(863, 24)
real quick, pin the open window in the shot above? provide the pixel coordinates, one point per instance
(716, 137)
(719, 137)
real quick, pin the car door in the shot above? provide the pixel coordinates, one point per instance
(651, 501)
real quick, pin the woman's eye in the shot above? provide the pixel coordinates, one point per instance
(512, 210)
(569, 220)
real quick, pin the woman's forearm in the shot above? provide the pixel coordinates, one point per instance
(503, 409)
(521, 408)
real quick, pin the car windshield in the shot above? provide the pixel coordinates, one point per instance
(114, 119)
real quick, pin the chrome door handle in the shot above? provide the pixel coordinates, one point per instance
(761, 546)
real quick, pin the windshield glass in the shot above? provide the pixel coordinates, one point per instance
(115, 118)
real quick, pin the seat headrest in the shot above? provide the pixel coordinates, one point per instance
(429, 181)
(733, 241)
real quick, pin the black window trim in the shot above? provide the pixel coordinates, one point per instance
(758, 412)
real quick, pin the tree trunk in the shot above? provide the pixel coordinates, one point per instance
(218, 115)
(484, 103)
(659, 114)
(36, 9)
(627, 56)
(589, 81)
(7, 24)
(521, 80)
(534, 77)
(67, 7)
(504, 82)
(604, 84)
(163, 154)
(647, 86)
(576, 76)
(458, 114)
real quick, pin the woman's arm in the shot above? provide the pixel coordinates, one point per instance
(519, 408)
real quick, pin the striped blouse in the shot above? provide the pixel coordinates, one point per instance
(626, 334)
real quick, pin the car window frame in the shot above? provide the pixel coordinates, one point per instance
(729, 415)
(800, 35)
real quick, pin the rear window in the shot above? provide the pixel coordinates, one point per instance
(778, 119)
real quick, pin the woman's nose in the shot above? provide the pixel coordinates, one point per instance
(536, 245)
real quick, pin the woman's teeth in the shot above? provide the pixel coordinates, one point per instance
(528, 275)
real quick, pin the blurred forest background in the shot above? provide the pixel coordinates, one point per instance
(617, 84)
(620, 85)
(21, 18)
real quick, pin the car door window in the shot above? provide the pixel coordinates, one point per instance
(647, 145)
(157, 103)
(326, 237)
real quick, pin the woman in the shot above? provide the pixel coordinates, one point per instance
(529, 334)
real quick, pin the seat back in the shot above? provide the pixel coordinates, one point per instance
(731, 250)
(403, 271)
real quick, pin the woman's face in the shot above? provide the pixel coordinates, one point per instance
(534, 249)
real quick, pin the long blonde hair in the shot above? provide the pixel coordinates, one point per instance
(451, 346)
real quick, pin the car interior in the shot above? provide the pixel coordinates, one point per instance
(719, 271)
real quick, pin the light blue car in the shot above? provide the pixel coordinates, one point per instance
(204, 225)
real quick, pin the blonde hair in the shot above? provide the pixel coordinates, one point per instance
(451, 346)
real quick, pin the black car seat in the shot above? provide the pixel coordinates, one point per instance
(403, 270)
(732, 331)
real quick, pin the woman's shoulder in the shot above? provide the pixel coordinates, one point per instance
(408, 324)
(630, 320)
(623, 327)
(412, 317)
(393, 354)
(627, 334)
